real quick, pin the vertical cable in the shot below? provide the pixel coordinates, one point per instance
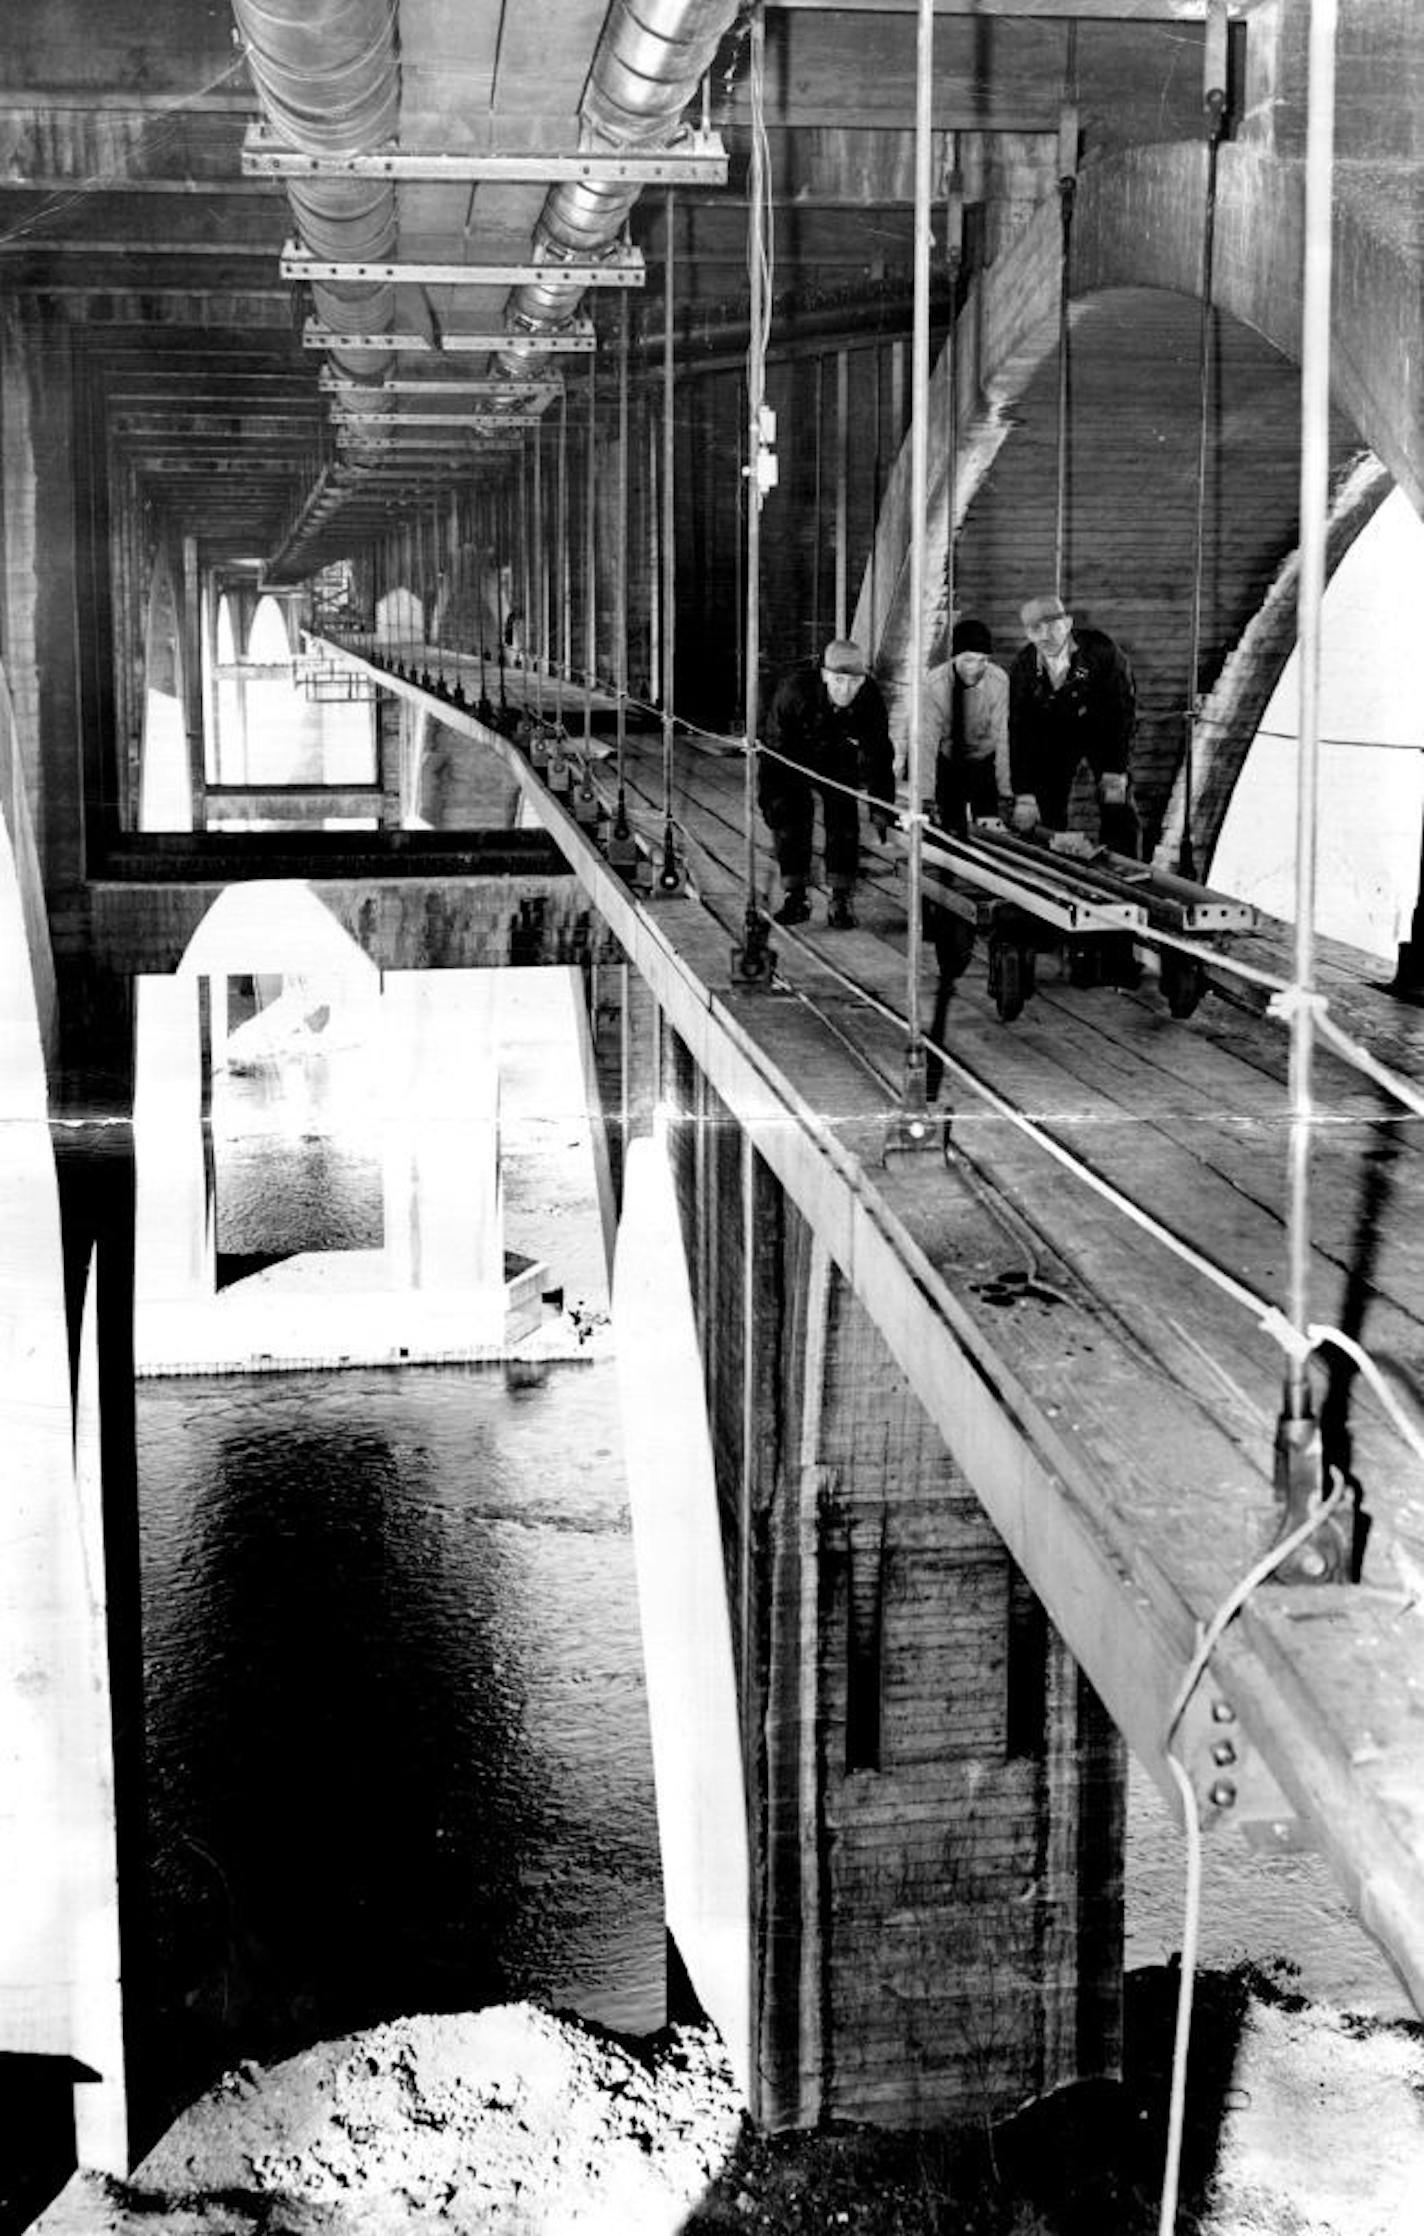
(540, 562)
(1067, 192)
(842, 486)
(620, 625)
(757, 258)
(818, 499)
(526, 566)
(1214, 104)
(1314, 502)
(476, 536)
(437, 599)
(669, 534)
(501, 545)
(590, 601)
(561, 542)
(919, 488)
(953, 262)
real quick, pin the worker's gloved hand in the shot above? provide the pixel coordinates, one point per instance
(1025, 813)
(880, 820)
(1112, 788)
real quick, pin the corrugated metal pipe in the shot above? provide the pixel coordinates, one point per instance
(327, 76)
(648, 63)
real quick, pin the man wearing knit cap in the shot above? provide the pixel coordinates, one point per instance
(966, 719)
(1071, 699)
(827, 731)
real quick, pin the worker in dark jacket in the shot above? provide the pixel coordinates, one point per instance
(1071, 699)
(827, 731)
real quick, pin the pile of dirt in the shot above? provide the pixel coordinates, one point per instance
(518, 2120)
(509, 2118)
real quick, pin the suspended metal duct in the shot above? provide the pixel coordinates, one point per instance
(327, 77)
(646, 68)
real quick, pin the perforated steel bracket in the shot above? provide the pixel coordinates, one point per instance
(1232, 1784)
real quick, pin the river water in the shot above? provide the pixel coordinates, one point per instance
(397, 1724)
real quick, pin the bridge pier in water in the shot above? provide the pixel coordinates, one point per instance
(435, 1282)
(934, 1796)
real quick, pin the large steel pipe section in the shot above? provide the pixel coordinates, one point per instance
(327, 77)
(646, 68)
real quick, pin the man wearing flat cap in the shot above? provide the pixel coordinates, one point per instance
(827, 731)
(1071, 699)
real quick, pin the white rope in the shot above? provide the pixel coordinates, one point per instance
(1191, 1824)
(887, 808)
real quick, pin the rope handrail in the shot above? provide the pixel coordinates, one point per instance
(1350, 1050)
(1268, 1317)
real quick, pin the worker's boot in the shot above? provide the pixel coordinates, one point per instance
(795, 909)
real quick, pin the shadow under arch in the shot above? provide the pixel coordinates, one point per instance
(1133, 430)
(1138, 222)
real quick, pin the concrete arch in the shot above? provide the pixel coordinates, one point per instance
(166, 797)
(260, 925)
(400, 618)
(18, 832)
(1138, 222)
(272, 633)
(1137, 228)
(1233, 709)
(1134, 417)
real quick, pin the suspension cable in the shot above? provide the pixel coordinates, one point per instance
(953, 264)
(540, 564)
(1314, 503)
(561, 541)
(620, 627)
(759, 272)
(437, 602)
(669, 531)
(1067, 192)
(501, 539)
(477, 529)
(1214, 107)
(914, 1094)
(517, 615)
(590, 571)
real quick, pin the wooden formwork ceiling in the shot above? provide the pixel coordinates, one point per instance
(126, 209)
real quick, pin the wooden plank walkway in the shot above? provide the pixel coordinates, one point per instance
(1114, 1409)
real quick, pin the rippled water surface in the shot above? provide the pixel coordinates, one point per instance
(397, 1724)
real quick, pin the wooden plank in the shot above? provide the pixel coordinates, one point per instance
(1112, 1463)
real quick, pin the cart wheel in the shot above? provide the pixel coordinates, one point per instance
(1083, 963)
(1183, 982)
(1010, 976)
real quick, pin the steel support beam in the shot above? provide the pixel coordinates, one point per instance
(621, 267)
(697, 159)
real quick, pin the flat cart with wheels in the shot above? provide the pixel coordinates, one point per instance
(1021, 908)
(1180, 911)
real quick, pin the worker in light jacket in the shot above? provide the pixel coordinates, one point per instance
(1071, 699)
(826, 721)
(966, 718)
